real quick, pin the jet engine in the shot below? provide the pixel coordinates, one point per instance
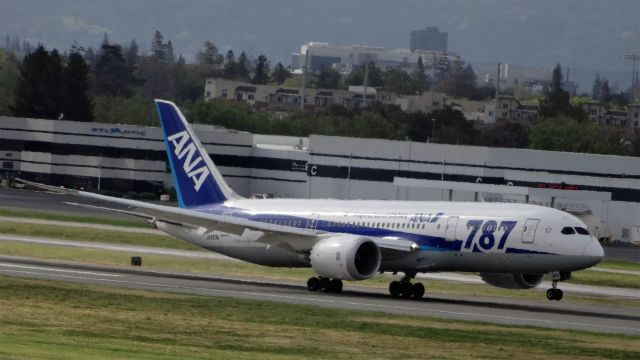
(512, 281)
(347, 257)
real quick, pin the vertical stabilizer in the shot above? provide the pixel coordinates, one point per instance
(196, 178)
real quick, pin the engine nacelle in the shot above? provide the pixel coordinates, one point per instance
(347, 257)
(512, 281)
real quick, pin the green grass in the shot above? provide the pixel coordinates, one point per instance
(619, 265)
(73, 218)
(92, 322)
(98, 235)
(247, 270)
(599, 278)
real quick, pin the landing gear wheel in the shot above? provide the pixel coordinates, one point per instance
(324, 284)
(558, 295)
(313, 283)
(335, 286)
(418, 291)
(407, 290)
(395, 288)
(554, 294)
(551, 294)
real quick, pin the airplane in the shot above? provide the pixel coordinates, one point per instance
(510, 245)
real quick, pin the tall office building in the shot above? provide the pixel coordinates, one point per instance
(428, 39)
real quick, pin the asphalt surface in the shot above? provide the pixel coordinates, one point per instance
(558, 315)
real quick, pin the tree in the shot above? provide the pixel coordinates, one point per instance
(597, 87)
(209, 55)
(398, 81)
(328, 78)
(112, 74)
(244, 67)
(557, 101)
(8, 76)
(419, 78)
(158, 47)
(461, 83)
(261, 72)
(564, 133)
(451, 127)
(356, 77)
(38, 90)
(605, 93)
(76, 104)
(169, 56)
(131, 55)
(509, 135)
(230, 66)
(280, 74)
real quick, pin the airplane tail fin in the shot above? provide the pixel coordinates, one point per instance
(196, 178)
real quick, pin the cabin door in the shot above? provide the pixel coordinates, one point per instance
(450, 229)
(529, 231)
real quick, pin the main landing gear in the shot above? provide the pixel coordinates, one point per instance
(405, 288)
(324, 284)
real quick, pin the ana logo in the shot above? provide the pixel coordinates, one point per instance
(184, 147)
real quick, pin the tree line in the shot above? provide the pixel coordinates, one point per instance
(116, 84)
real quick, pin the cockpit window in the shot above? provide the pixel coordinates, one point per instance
(568, 231)
(582, 231)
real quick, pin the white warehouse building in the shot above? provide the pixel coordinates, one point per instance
(132, 158)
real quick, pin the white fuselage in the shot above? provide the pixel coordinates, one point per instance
(451, 236)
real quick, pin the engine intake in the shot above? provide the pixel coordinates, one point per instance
(347, 257)
(512, 281)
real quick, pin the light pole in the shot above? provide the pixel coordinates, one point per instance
(304, 78)
(633, 57)
(433, 129)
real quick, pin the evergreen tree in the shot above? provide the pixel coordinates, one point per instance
(209, 55)
(328, 78)
(112, 74)
(169, 56)
(419, 78)
(38, 90)
(597, 87)
(261, 73)
(244, 67)
(398, 81)
(131, 55)
(230, 66)
(557, 101)
(158, 48)
(280, 74)
(605, 93)
(76, 104)
(105, 40)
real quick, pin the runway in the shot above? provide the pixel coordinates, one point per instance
(557, 315)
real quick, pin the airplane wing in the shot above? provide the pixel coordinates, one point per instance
(225, 223)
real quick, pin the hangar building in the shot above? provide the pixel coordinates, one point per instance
(132, 158)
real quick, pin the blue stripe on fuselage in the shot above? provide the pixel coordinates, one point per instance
(425, 242)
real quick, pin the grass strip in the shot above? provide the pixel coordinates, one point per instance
(52, 320)
(72, 218)
(247, 270)
(97, 235)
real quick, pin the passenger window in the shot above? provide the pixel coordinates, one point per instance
(582, 231)
(568, 231)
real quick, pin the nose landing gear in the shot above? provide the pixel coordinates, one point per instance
(554, 293)
(405, 288)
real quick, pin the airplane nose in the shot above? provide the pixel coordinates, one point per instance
(593, 250)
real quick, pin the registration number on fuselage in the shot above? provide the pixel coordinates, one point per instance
(483, 235)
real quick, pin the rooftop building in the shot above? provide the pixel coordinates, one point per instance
(429, 39)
